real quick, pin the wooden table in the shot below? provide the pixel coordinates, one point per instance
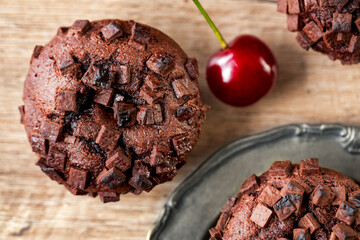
(310, 89)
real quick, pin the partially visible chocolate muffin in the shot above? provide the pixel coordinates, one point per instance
(291, 201)
(111, 107)
(331, 27)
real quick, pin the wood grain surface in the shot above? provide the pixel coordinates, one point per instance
(311, 89)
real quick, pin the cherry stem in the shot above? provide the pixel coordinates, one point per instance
(222, 41)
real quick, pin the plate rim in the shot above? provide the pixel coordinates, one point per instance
(349, 140)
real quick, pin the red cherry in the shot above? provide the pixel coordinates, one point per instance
(243, 73)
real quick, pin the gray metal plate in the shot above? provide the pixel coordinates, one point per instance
(194, 206)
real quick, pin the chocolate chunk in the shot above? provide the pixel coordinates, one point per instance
(357, 219)
(80, 26)
(56, 159)
(160, 63)
(215, 234)
(342, 22)
(281, 169)
(166, 169)
(37, 51)
(222, 221)
(22, 113)
(109, 197)
(77, 178)
(181, 144)
(86, 128)
(355, 198)
(159, 155)
(74, 190)
(354, 44)
(303, 40)
(141, 183)
(344, 232)
(113, 178)
(139, 34)
(292, 187)
(342, 37)
(52, 174)
(65, 100)
(229, 204)
(185, 111)
(309, 167)
(294, 7)
(39, 144)
(284, 208)
(149, 95)
(330, 39)
(338, 3)
(51, 131)
(301, 234)
(282, 6)
(307, 188)
(346, 213)
(125, 114)
(322, 196)
(96, 78)
(293, 22)
(41, 162)
(111, 31)
(66, 62)
(152, 82)
(297, 200)
(250, 185)
(62, 30)
(118, 160)
(357, 23)
(140, 169)
(192, 68)
(105, 97)
(107, 138)
(261, 215)
(158, 117)
(312, 31)
(121, 74)
(182, 87)
(333, 236)
(309, 222)
(269, 196)
(340, 194)
(149, 115)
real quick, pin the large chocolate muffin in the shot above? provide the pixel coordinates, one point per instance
(111, 107)
(328, 26)
(289, 201)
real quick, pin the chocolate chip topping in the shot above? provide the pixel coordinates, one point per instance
(80, 26)
(281, 169)
(111, 31)
(37, 51)
(101, 112)
(296, 205)
(326, 26)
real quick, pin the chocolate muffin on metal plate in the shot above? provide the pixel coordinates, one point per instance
(331, 27)
(292, 201)
(111, 107)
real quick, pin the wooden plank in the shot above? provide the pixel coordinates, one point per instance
(310, 89)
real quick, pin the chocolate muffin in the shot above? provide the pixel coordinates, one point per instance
(292, 201)
(111, 107)
(327, 26)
